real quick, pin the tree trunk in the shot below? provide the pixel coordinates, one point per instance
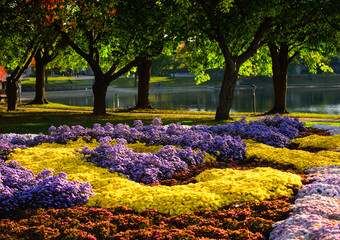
(280, 63)
(227, 92)
(144, 74)
(41, 63)
(12, 93)
(99, 89)
(13, 80)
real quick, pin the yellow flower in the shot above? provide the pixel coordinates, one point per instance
(214, 189)
(300, 159)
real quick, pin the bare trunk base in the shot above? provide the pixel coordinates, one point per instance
(39, 101)
(275, 111)
(12, 94)
(141, 108)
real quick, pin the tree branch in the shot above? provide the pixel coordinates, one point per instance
(26, 60)
(126, 68)
(73, 45)
(112, 68)
(293, 56)
(255, 44)
(222, 42)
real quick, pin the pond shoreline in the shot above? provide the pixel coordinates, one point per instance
(88, 88)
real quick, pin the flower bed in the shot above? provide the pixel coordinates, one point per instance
(236, 221)
(214, 189)
(316, 213)
(223, 141)
(118, 161)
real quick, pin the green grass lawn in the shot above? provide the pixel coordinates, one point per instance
(124, 82)
(56, 81)
(165, 82)
(36, 118)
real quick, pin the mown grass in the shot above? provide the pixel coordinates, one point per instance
(164, 82)
(124, 82)
(37, 118)
(56, 81)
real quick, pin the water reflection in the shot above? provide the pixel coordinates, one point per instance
(313, 100)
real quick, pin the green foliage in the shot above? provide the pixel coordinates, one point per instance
(202, 77)
(18, 33)
(202, 54)
(315, 60)
(115, 33)
(258, 65)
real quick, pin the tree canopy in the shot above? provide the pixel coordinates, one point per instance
(113, 37)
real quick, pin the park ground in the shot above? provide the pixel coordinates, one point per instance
(35, 119)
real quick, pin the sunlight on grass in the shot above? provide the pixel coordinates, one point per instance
(312, 115)
(38, 118)
(124, 82)
(309, 124)
(56, 81)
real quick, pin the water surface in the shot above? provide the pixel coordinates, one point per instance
(299, 99)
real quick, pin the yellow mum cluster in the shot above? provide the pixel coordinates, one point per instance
(142, 148)
(325, 142)
(214, 189)
(300, 159)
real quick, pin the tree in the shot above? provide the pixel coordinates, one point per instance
(162, 34)
(306, 30)
(113, 38)
(51, 44)
(238, 28)
(54, 53)
(18, 44)
(144, 74)
(42, 58)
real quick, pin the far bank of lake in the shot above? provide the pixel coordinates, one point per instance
(323, 99)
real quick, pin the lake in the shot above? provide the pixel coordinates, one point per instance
(299, 99)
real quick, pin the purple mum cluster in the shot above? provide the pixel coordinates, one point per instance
(142, 167)
(20, 190)
(9, 143)
(316, 213)
(275, 131)
(223, 141)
